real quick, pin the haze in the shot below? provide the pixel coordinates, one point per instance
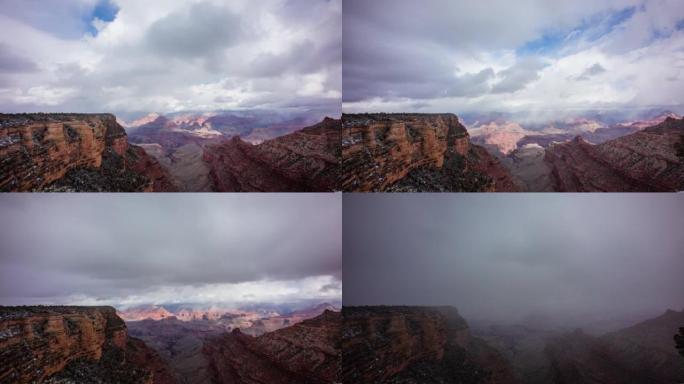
(505, 257)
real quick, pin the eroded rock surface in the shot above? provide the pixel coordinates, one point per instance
(305, 353)
(415, 152)
(416, 345)
(644, 161)
(73, 344)
(73, 152)
(306, 160)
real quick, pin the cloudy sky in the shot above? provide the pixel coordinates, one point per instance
(511, 56)
(504, 257)
(127, 56)
(132, 249)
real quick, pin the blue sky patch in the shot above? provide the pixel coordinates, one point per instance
(105, 10)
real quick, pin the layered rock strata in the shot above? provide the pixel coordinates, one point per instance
(415, 152)
(73, 152)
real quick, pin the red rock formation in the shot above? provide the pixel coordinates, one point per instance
(38, 343)
(643, 161)
(73, 152)
(416, 344)
(421, 152)
(643, 353)
(302, 161)
(305, 353)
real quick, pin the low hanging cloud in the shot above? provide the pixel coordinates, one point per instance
(126, 249)
(440, 55)
(171, 55)
(504, 257)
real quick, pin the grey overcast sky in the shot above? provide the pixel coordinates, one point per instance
(122, 249)
(512, 56)
(169, 55)
(506, 256)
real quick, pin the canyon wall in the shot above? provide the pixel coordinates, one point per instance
(49, 344)
(306, 160)
(408, 344)
(415, 152)
(305, 353)
(650, 160)
(73, 152)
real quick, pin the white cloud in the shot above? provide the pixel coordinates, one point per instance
(177, 55)
(563, 56)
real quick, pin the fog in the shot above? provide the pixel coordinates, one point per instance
(506, 257)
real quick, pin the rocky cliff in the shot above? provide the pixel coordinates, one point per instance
(643, 353)
(644, 161)
(73, 344)
(73, 152)
(306, 160)
(305, 353)
(416, 345)
(415, 152)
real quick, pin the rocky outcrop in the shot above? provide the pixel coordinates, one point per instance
(73, 344)
(73, 152)
(643, 161)
(306, 160)
(305, 353)
(415, 152)
(643, 353)
(416, 345)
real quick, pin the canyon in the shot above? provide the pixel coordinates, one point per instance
(415, 152)
(397, 344)
(74, 152)
(585, 155)
(182, 334)
(73, 344)
(646, 161)
(228, 153)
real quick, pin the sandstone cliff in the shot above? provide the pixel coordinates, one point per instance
(415, 152)
(73, 344)
(644, 161)
(306, 160)
(305, 353)
(73, 152)
(416, 344)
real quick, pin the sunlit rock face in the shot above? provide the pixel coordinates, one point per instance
(73, 152)
(648, 160)
(58, 344)
(415, 152)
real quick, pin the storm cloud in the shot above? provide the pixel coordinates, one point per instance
(506, 257)
(127, 249)
(502, 56)
(130, 57)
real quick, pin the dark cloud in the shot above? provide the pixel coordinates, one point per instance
(503, 257)
(106, 245)
(518, 76)
(203, 29)
(590, 72)
(12, 63)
